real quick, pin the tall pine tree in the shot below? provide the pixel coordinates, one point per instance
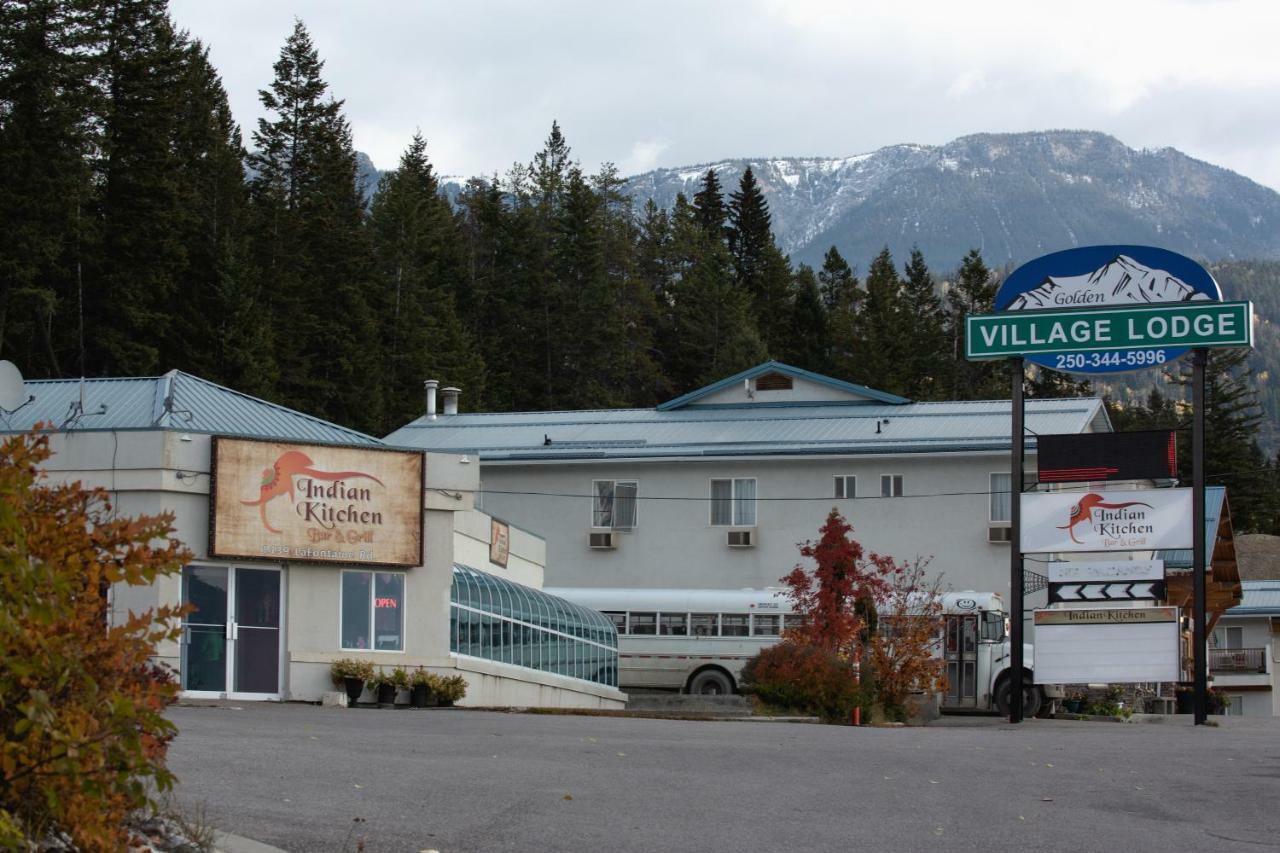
(760, 269)
(311, 248)
(925, 349)
(973, 292)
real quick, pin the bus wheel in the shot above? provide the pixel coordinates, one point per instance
(1031, 698)
(711, 682)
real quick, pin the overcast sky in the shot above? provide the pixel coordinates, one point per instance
(671, 84)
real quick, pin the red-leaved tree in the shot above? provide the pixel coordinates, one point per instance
(836, 600)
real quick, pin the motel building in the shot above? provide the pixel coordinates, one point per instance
(313, 542)
(714, 489)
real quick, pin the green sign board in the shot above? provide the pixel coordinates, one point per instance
(1131, 336)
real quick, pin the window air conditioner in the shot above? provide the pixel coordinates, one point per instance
(601, 540)
(741, 538)
(1000, 533)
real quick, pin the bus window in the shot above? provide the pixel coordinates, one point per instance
(674, 624)
(644, 623)
(619, 620)
(792, 621)
(705, 625)
(992, 626)
(734, 624)
(765, 625)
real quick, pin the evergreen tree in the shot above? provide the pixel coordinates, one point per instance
(974, 292)
(844, 300)
(711, 333)
(220, 328)
(760, 269)
(418, 263)
(708, 205)
(133, 281)
(879, 348)
(49, 55)
(808, 339)
(925, 352)
(310, 244)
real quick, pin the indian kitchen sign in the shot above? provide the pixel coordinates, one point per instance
(1067, 522)
(316, 503)
(1107, 309)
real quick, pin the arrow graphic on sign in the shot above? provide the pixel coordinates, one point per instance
(1120, 591)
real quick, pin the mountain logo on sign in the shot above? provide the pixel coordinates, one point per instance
(1120, 281)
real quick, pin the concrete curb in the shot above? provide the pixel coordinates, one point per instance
(225, 842)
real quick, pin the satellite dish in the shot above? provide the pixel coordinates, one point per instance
(13, 391)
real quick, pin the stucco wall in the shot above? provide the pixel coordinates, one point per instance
(674, 544)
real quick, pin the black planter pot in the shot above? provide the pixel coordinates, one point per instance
(420, 696)
(386, 694)
(1184, 702)
(354, 687)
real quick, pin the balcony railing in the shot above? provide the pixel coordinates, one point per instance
(1238, 660)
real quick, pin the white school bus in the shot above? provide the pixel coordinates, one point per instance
(691, 640)
(697, 641)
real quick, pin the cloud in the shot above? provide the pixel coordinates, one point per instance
(666, 83)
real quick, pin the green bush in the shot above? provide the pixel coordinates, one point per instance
(344, 668)
(804, 678)
(448, 688)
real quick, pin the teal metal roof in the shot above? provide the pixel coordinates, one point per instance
(174, 401)
(1261, 598)
(749, 430)
(1214, 499)
(788, 370)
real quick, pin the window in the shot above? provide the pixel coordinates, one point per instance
(674, 624)
(1235, 638)
(734, 624)
(1001, 498)
(733, 502)
(705, 624)
(614, 504)
(890, 485)
(373, 611)
(846, 486)
(644, 623)
(766, 625)
(619, 620)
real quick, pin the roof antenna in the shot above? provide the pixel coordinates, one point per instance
(13, 391)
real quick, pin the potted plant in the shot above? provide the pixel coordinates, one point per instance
(351, 675)
(451, 689)
(400, 680)
(384, 687)
(1075, 701)
(420, 692)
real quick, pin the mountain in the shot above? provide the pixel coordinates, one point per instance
(1121, 280)
(1014, 196)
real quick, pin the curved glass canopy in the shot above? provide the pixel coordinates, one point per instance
(498, 620)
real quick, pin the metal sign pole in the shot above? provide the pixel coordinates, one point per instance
(1015, 544)
(1200, 358)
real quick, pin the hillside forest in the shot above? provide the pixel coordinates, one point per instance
(140, 231)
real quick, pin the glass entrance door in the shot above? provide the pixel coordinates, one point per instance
(231, 640)
(255, 632)
(961, 656)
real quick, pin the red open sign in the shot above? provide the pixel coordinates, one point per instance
(385, 602)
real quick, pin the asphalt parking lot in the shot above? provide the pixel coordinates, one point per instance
(306, 778)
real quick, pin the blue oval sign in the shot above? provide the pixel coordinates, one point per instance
(1106, 277)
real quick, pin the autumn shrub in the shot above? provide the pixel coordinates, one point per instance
(81, 703)
(803, 678)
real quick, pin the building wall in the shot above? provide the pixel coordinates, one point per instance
(1261, 694)
(150, 472)
(675, 545)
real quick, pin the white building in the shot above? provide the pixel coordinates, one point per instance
(268, 628)
(1242, 653)
(715, 489)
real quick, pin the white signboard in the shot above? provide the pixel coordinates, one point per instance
(1145, 520)
(1106, 646)
(1110, 570)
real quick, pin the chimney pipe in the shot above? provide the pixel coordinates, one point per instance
(431, 385)
(451, 400)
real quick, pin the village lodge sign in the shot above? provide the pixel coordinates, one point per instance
(315, 503)
(1107, 309)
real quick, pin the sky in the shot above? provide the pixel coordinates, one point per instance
(654, 84)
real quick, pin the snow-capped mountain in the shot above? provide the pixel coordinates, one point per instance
(1014, 196)
(1121, 281)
